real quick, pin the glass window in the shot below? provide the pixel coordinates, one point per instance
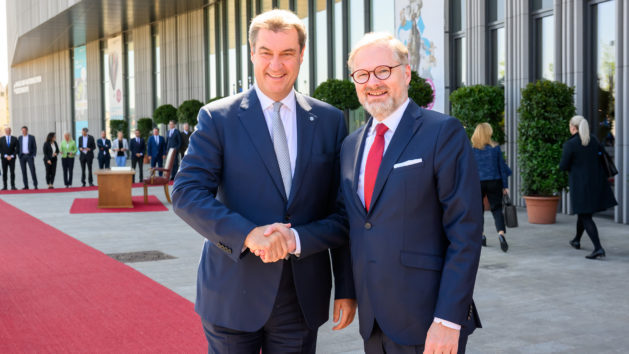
(382, 16)
(212, 57)
(340, 63)
(545, 47)
(130, 66)
(79, 74)
(356, 21)
(267, 5)
(244, 54)
(460, 73)
(321, 34)
(498, 56)
(604, 71)
(284, 4)
(542, 4)
(496, 10)
(458, 15)
(231, 35)
(105, 88)
(303, 80)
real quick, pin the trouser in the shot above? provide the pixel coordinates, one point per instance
(121, 161)
(139, 161)
(586, 223)
(173, 172)
(104, 162)
(493, 190)
(380, 343)
(86, 162)
(24, 160)
(159, 162)
(51, 171)
(286, 330)
(67, 164)
(6, 166)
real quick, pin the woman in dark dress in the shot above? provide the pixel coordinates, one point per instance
(51, 150)
(493, 172)
(590, 191)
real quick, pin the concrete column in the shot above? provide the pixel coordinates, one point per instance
(476, 34)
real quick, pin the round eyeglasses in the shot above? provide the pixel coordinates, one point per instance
(381, 72)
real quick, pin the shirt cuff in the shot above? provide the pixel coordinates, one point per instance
(297, 252)
(447, 323)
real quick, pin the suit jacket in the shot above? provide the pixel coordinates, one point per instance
(185, 140)
(590, 191)
(137, 148)
(103, 148)
(49, 149)
(90, 144)
(8, 149)
(416, 253)
(156, 151)
(32, 146)
(230, 182)
(173, 141)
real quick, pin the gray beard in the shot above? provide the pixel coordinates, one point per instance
(380, 110)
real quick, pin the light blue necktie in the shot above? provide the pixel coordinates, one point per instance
(280, 144)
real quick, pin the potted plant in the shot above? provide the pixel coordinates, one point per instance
(165, 113)
(118, 125)
(477, 104)
(420, 91)
(145, 125)
(340, 94)
(188, 112)
(214, 99)
(545, 111)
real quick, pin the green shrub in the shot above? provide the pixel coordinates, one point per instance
(477, 104)
(339, 93)
(188, 112)
(145, 125)
(545, 111)
(165, 113)
(118, 125)
(420, 91)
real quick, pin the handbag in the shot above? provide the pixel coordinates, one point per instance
(608, 163)
(511, 214)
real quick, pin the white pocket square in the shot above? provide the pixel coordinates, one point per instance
(407, 163)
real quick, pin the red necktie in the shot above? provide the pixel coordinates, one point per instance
(373, 162)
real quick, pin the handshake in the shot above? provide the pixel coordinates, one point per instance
(271, 242)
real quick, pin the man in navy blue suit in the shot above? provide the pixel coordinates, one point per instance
(104, 155)
(138, 149)
(268, 156)
(411, 189)
(26, 151)
(173, 140)
(156, 149)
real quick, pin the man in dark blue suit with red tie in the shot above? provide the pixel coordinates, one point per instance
(411, 191)
(268, 156)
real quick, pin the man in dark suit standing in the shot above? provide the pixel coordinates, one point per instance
(268, 155)
(185, 139)
(156, 149)
(104, 155)
(138, 148)
(27, 150)
(411, 191)
(173, 141)
(86, 148)
(9, 151)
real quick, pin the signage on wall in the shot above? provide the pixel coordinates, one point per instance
(419, 24)
(114, 66)
(22, 86)
(80, 89)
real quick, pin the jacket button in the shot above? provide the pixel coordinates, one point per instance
(368, 225)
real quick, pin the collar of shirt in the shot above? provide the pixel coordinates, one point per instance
(267, 103)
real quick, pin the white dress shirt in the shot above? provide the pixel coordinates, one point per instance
(25, 144)
(288, 115)
(392, 121)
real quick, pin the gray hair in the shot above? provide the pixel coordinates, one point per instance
(400, 52)
(583, 127)
(276, 21)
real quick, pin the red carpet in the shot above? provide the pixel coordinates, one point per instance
(59, 295)
(90, 205)
(65, 190)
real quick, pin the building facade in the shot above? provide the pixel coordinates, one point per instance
(85, 63)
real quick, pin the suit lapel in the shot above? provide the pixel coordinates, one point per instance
(358, 157)
(252, 118)
(306, 125)
(409, 124)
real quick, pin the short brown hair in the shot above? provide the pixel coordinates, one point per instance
(400, 51)
(276, 21)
